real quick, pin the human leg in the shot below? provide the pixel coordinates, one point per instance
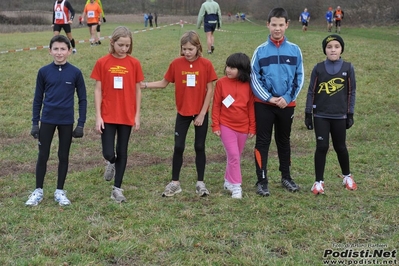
(123, 134)
(46, 134)
(108, 149)
(181, 127)
(233, 143)
(265, 119)
(65, 139)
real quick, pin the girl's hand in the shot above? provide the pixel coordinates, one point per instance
(99, 125)
(137, 124)
(199, 120)
(217, 133)
(250, 135)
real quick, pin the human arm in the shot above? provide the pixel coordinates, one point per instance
(82, 102)
(199, 119)
(310, 98)
(37, 105)
(351, 98)
(138, 107)
(201, 14)
(251, 115)
(161, 84)
(97, 105)
(71, 10)
(216, 109)
(296, 82)
(219, 18)
(258, 81)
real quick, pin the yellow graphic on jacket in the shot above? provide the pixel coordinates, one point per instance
(332, 86)
(118, 70)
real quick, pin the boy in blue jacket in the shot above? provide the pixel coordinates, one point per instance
(276, 80)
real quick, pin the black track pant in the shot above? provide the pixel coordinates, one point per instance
(46, 134)
(323, 128)
(267, 117)
(181, 129)
(122, 134)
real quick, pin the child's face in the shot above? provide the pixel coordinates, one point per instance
(277, 27)
(333, 50)
(189, 51)
(121, 47)
(231, 72)
(60, 52)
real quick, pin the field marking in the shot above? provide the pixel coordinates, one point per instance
(41, 47)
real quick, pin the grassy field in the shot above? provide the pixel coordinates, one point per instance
(283, 229)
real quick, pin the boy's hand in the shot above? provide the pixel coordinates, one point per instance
(78, 132)
(35, 131)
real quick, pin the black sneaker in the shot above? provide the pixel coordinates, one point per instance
(212, 48)
(262, 189)
(99, 42)
(289, 184)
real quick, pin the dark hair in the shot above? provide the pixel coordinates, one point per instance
(278, 12)
(242, 63)
(60, 38)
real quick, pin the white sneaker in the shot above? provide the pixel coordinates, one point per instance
(60, 197)
(237, 191)
(74, 50)
(228, 186)
(35, 197)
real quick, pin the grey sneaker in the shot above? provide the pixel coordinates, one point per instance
(109, 173)
(35, 197)
(117, 195)
(60, 197)
(201, 190)
(171, 189)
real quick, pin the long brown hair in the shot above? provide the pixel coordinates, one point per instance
(193, 38)
(119, 32)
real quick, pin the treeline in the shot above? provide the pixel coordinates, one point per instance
(375, 12)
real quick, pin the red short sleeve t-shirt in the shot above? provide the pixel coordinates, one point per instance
(118, 78)
(190, 80)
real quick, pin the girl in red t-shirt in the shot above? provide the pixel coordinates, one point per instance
(193, 77)
(233, 117)
(117, 99)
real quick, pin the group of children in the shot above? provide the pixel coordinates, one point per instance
(253, 97)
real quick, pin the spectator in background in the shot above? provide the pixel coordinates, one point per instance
(329, 18)
(156, 19)
(304, 19)
(150, 17)
(145, 20)
(338, 16)
(211, 15)
(243, 16)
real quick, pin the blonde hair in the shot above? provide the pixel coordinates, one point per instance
(193, 38)
(119, 32)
